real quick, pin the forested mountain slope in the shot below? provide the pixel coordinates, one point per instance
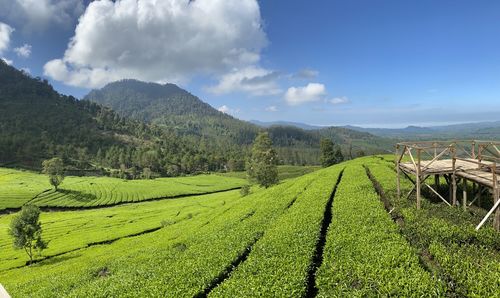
(37, 123)
(170, 106)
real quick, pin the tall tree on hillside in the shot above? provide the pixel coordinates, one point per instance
(330, 153)
(27, 231)
(339, 157)
(55, 169)
(263, 162)
(327, 157)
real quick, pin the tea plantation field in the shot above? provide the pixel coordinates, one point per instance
(20, 187)
(335, 232)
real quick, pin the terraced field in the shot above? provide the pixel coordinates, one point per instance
(336, 232)
(72, 230)
(18, 188)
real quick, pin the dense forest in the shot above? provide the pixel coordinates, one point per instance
(174, 108)
(162, 128)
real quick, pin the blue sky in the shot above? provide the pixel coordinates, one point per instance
(370, 63)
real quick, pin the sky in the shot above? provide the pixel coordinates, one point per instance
(377, 63)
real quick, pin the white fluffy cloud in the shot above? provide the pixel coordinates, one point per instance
(339, 100)
(253, 80)
(167, 40)
(24, 51)
(39, 14)
(309, 93)
(5, 32)
(227, 110)
(272, 109)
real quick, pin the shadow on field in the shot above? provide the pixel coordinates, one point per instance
(51, 260)
(77, 195)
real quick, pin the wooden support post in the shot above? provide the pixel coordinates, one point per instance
(436, 181)
(450, 188)
(464, 193)
(398, 181)
(496, 219)
(418, 186)
(454, 181)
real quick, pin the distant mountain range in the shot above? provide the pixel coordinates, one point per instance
(479, 130)
(286, 123)
(474, 130)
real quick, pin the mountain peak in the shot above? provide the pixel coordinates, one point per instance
(149, 102)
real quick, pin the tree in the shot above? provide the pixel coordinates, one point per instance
(339, 157)
(27, 231)
(262, 164)
(330, 153)
(327, 157)
(146, 173)
(55, 169)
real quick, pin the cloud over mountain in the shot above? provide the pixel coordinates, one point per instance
(309, 93)
(170, 40)
(5, 32)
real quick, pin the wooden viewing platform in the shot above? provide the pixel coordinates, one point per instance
(457, 161)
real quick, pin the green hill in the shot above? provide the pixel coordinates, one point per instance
(37, 123)
(172, 107)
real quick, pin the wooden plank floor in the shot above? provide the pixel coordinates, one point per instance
(465, 169)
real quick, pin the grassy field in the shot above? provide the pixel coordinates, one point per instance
(20, 187)
(325, 234)
(284, 172)
(72, 230)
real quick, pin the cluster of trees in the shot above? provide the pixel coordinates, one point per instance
(330, 153)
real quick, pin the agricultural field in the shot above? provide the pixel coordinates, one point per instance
(335, 232)
(284, 172)
(72, 230)
(19, 187)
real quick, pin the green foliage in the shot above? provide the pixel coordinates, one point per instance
(245, 190)
(179, 260)
(365, 254)
(466, 258)
(262, 165)
(196, 240)
(55, 169)
(26, 230)
(72, 230)
(102, 191)
(330, 153)
(279, 262)
(327, 153)
(19, 187)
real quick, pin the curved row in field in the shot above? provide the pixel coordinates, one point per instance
(88, 192)
(178, 260)
(269, 244)
(67, 231)
(467, 259)
(18, 187)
